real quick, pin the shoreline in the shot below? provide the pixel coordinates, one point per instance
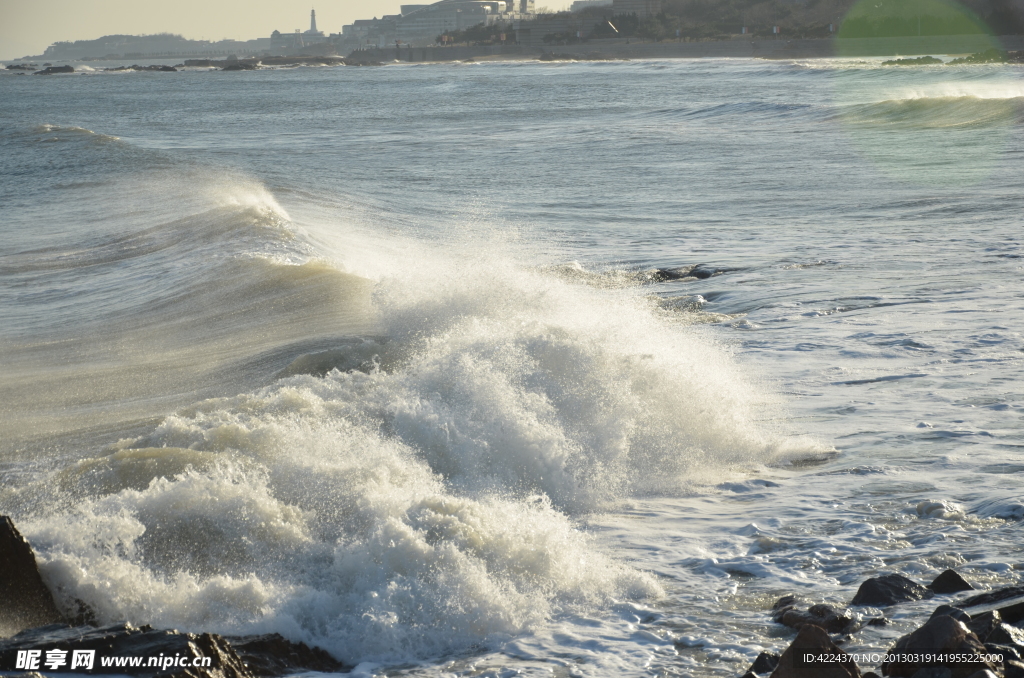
(615, 50)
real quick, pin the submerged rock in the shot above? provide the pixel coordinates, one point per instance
(889, 589)
(950, 582)
(813, 640)
(25, 601)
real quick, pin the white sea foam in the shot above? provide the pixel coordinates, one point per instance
(429, 501)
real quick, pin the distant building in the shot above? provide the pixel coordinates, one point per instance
(581, 5)
(642, 8)
(423, 23)
(299, 41)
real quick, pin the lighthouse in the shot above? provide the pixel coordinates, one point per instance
(312, 21)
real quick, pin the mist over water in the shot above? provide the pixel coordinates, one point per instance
(413, 364)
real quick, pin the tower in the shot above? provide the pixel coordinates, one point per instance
(312, 21)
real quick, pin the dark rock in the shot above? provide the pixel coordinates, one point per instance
(1007, 651)
(785, 612)
(814, 640)
(983, 624)
(25, 601)
(272, 655)
(954, 612)
(1009, 601)
(871, 674)
(1004, 634)
(240, 66)
(878, 621)
(933, 672)
(941, 634)
(765, 663)
(50, 70)
(950, 582)
(666, 274)
(824, 616)
(919, 61)
(989, 56)
(1013, 669)
(889, 589)
(124, 640)
(19, 67)
(749, 674)
(984, 673)
(703, 271)
(785, 602)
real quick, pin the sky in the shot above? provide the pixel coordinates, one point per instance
(27, 27)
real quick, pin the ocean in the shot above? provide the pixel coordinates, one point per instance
(513, 368)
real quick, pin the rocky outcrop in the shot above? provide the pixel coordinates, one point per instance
(273, 655)
(889, 589)
(941, 635)
(168, 654)
(1009, 601)
(25, 601)
(36, 628)
(50, 70)
(950, 582)
(814, 641)
(919, 61)
(786, 612)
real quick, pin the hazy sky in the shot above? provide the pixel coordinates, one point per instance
(27, 27)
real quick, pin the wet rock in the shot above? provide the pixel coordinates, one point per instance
(824, 616)
(124, 640)
(950, 582)
(1004, 634)
(983, 624)
(878, 621)
(240, 66)
(765, 663)
(1009, 601)
(26, 602)
(940, 635)
(50, 70)
(1006, 651)
(814, 640)
(871, 674)
(889, 589)
(1013, 669)
(984, 673)
(273, 655)
(666, 274)
(954, 612)
(785, 602)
